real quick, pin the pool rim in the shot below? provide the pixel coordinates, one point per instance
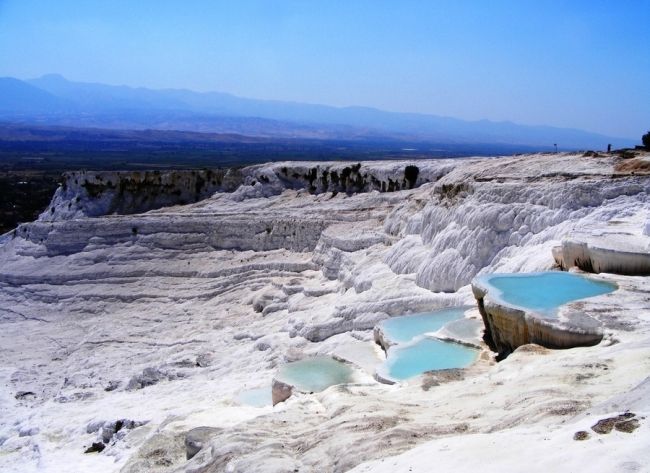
(297, 388)
(391, 341)
(482, 282)
(382, 370)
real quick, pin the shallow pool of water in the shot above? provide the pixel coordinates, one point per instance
(315, 374)
(405, 328)
(258, 397)
(426, 354)
(547, 291)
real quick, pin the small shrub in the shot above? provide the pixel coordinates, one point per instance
(627, 154)
(633, 166)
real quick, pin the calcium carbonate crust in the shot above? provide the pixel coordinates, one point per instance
(150, 305)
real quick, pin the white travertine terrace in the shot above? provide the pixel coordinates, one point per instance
(509, 326)
(622, 247)
(153, 318)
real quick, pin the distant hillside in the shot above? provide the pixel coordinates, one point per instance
(18, 97)
(55, 147)
(53, 100)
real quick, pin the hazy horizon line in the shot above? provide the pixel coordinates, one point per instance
(321, 104)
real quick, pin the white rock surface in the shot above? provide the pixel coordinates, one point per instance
(165, 325)
(622, 246)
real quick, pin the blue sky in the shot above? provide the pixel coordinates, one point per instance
(578, 63)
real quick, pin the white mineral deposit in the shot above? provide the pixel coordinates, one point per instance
(134, 327)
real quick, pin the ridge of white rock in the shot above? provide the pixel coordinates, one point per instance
(158, 320)
(622, 246)
(97, 193)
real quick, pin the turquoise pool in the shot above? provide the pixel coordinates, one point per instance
(406, 328)
(414, 353)
(425, 354)
(546, 291)
(315, 374)
(258, 397)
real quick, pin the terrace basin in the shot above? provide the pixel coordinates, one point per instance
(545, 292)
(532, 308)
(309, 375)
(405, 328)
(424, 354)
(410, 353)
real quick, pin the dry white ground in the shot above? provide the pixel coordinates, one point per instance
(160, 328)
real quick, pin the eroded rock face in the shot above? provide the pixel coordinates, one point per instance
(97, 193)
(92, 194)
(593, 259)
(345, 177)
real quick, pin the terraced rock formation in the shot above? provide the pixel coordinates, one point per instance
(158, 313)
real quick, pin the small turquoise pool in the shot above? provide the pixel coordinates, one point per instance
(315, 374)
(406, 328)
(414, 353)
(426, 354)
(258, 397)
(546, 291)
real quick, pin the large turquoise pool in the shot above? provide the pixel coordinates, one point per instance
(426, 354)
(406, 328)
(546, 291)
(315, 374)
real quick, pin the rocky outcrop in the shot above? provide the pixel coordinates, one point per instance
(508, 327)
(589, 257)
(95, 193)
(350, 178)
(381, 339)
(123, 197)
(198, 438)
(280, 391)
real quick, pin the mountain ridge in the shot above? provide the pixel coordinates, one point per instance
(54, 100)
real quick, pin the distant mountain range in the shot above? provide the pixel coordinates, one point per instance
(53, 100)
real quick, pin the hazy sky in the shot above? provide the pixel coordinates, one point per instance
(577, 63)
